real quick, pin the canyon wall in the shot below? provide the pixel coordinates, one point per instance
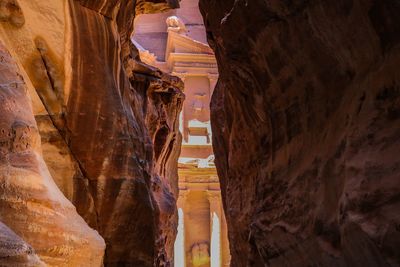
(16, 252)
(97, 135)
(306, 129)
(31, 204)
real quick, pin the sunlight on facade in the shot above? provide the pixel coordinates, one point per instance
(179, 247)
(215, 242)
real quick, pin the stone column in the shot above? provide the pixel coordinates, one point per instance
(215, 207)
(183, 193)
(213, 79)
(183, 123)
(213, 82)
(197, 229)
(215, 203)
(226, 255)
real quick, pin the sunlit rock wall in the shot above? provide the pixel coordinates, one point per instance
(306, 130)
(30, 203)
(109, 131)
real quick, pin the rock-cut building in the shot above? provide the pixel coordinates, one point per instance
(175, 42)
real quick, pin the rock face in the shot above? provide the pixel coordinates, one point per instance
(122, 128)
(311, 91)
(14, 251)
(109, 130)
(30, 203)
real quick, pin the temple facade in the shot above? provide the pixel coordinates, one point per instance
(175, 42)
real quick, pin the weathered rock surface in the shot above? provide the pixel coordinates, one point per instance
(108, 125)
(30, 202)
(311, 91)
(16, 252)
(122, 128)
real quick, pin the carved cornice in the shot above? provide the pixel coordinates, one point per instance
(175, 39)
(214, 195)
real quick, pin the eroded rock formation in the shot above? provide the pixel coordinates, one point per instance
(306, 129)
(14, 251)
(112, 99)
(109, 131)
(30, 203)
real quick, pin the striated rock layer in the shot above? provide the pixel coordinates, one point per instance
(14, 251)
(311, 91)
(30, 202)
(109, 130)
(122, 127)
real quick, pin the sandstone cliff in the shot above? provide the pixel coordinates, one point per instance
(311, 91)
(30, 203)
(109, 131)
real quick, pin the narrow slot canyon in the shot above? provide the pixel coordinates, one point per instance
(199, 133)
(176, 43)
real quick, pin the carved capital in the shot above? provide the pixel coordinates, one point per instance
(181, 75)
(212, 77)
(183, 193)
(213, 195)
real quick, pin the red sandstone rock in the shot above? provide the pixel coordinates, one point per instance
(108, 124)
(122, 128)
(15, 252)
(306, 129)
(30, 203)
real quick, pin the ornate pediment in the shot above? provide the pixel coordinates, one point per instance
(181, 43)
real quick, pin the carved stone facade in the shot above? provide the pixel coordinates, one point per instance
(175, 42)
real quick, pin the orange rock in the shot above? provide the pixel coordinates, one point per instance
(31, 204)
